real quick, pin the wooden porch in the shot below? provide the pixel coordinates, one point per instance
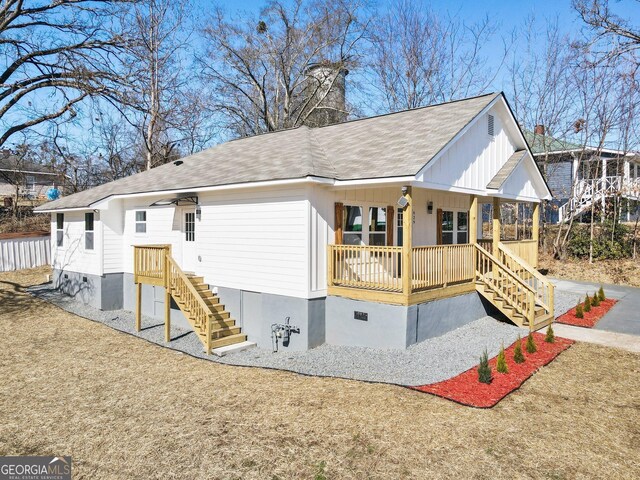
(503, 272)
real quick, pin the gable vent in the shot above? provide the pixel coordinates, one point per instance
(490, 126)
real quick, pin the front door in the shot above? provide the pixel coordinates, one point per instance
(189, 253)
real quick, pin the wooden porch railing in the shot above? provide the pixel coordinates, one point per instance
(527, 250)
(365, 266)
(154, 265)
(441, 265)
(517, 293)
(542, 287)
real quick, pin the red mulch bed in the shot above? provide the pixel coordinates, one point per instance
(590, 318)
(466, 389)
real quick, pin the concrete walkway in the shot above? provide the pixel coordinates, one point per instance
(599, 337)
(623, 318)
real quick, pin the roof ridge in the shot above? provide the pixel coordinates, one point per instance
(327, 158)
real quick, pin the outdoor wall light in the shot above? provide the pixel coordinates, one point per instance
(429, 208)
(198, 212)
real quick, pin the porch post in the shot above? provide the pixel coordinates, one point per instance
(407, 243)
(535, 231)
(496, 224)
(138, 306)
(167, 296)
(473, 220)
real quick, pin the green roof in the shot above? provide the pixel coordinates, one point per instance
(547, 143)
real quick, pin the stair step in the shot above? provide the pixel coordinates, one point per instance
(223, 323)
(195, 280)
(230, 340)
(222, 332)
(236, 347)
(201, 287)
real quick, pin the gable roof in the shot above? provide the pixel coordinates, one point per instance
(506, 170)
(391, 145)
(12, 163)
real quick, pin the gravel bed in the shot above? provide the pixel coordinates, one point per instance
(427, 362)
(565, 301)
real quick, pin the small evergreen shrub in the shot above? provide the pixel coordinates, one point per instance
(531, 344)
(518, 357)
(579, 311)
(501, 362)
(550, 336)
(484, 370)
(601, 296)
(595, 301)
(587, 303)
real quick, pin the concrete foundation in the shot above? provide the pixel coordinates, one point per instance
(332, 320)
(257, 312)
(379, 325)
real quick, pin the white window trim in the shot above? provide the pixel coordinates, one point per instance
(455, 223)
(60, 230)
(365, 206)
(136, 233)
(90, 251)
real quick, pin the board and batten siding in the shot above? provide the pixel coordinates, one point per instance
(73, 256)
(24, 252)
(474, 159)
(255, 240)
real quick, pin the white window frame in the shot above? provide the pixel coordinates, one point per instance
(92, 232)
(456, 230)
(140, 222)
(189, 236)
(364, 234)
(59, 231)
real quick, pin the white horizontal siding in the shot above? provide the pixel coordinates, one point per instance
(112, 230)
(255, 240)
(26, 252)
(520, 183)
(163, 227)
(73, 256)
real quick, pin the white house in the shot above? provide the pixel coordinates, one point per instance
(359, 233)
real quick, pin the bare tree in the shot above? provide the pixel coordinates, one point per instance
(259, 67)
(611, 36)
(63, 51)
(420, 58)
(157, 54)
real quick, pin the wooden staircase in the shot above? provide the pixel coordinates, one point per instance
(154, 265)
(515, 288)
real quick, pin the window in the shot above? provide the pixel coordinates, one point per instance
(59, 229)
(30, 182)
(377, 226)
(400, 226)
(353, 226)
(88, 231)
(141, 221)
(447, 228)
(632, 171)
(463, 228)
(455, 227)
(190, 226)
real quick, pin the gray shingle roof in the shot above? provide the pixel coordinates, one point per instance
(509, 166)
(392, 145)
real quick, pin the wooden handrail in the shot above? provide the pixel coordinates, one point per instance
(527, 309)
(542, 285)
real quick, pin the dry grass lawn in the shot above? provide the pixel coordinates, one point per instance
(621, 272)
(127, 409)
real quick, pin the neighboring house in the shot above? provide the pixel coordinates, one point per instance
(580, 176)
(360, 233)
(26, 179)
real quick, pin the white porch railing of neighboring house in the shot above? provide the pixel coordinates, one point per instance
(586, 192)
(24, 250)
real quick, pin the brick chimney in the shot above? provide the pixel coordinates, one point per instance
(539, 130)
